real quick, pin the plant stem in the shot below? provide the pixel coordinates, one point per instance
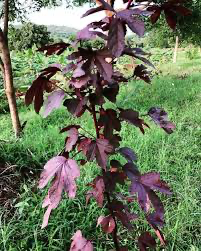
(129, 3)
(95, 121)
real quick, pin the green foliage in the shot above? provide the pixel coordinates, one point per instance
(97, 43)
(60, 32)
(28, 35)
(192, 52)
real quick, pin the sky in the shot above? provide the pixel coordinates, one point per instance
(62, 16)
(70, 17)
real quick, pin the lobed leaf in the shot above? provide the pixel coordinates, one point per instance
(160, 117)
(64, 171)
(79, 243)
(54, 101)
(57, 48)
(107, 223)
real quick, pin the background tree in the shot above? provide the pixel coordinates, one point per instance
(27, 35)
(187, 29)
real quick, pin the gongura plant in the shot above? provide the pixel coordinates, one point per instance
(93, 81)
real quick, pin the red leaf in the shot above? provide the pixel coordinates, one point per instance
(111, 92)
(182, 10)
(155, 16)
(57, 48)
(106, 5)
(83, 145)
(36, 92)
(72, 138)
(132, 117)
(53, 102)
(171, 18)
(99, 149)
(116, 37)
(107, 223)
(98, 191)
(108, 119)
(141, 72)
(146, 240)
(93, 10)
(105, 68)
(76, 106)
(102, 150)
(65, 172)
(79, 243)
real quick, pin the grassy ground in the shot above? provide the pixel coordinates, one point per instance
(177, 157)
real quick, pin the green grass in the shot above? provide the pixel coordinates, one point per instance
(177, 157)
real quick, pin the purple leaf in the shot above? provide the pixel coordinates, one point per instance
(156, 218)
(116, 37)
(153, 181)
(54, 101)
(65, 172)
(142, 194)
(85, 34)
(68, 68)
(137, 53)
(102, 150)
(80, 81)
(79, 243)
(132, 117)
(160, 117)
(128, 153)
(104, 68)
(134, 24)
(72, 138)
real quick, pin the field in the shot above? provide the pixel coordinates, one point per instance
(177, 157)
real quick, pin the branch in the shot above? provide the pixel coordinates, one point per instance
(114, 233)
(6, 19)
(2, 42)
(2, 66)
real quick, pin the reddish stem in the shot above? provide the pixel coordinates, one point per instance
(129, 4)
(95, 121)
(114, 233)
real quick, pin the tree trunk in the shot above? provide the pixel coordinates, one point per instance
(176, 49)
(8, 83)
(6, 67)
